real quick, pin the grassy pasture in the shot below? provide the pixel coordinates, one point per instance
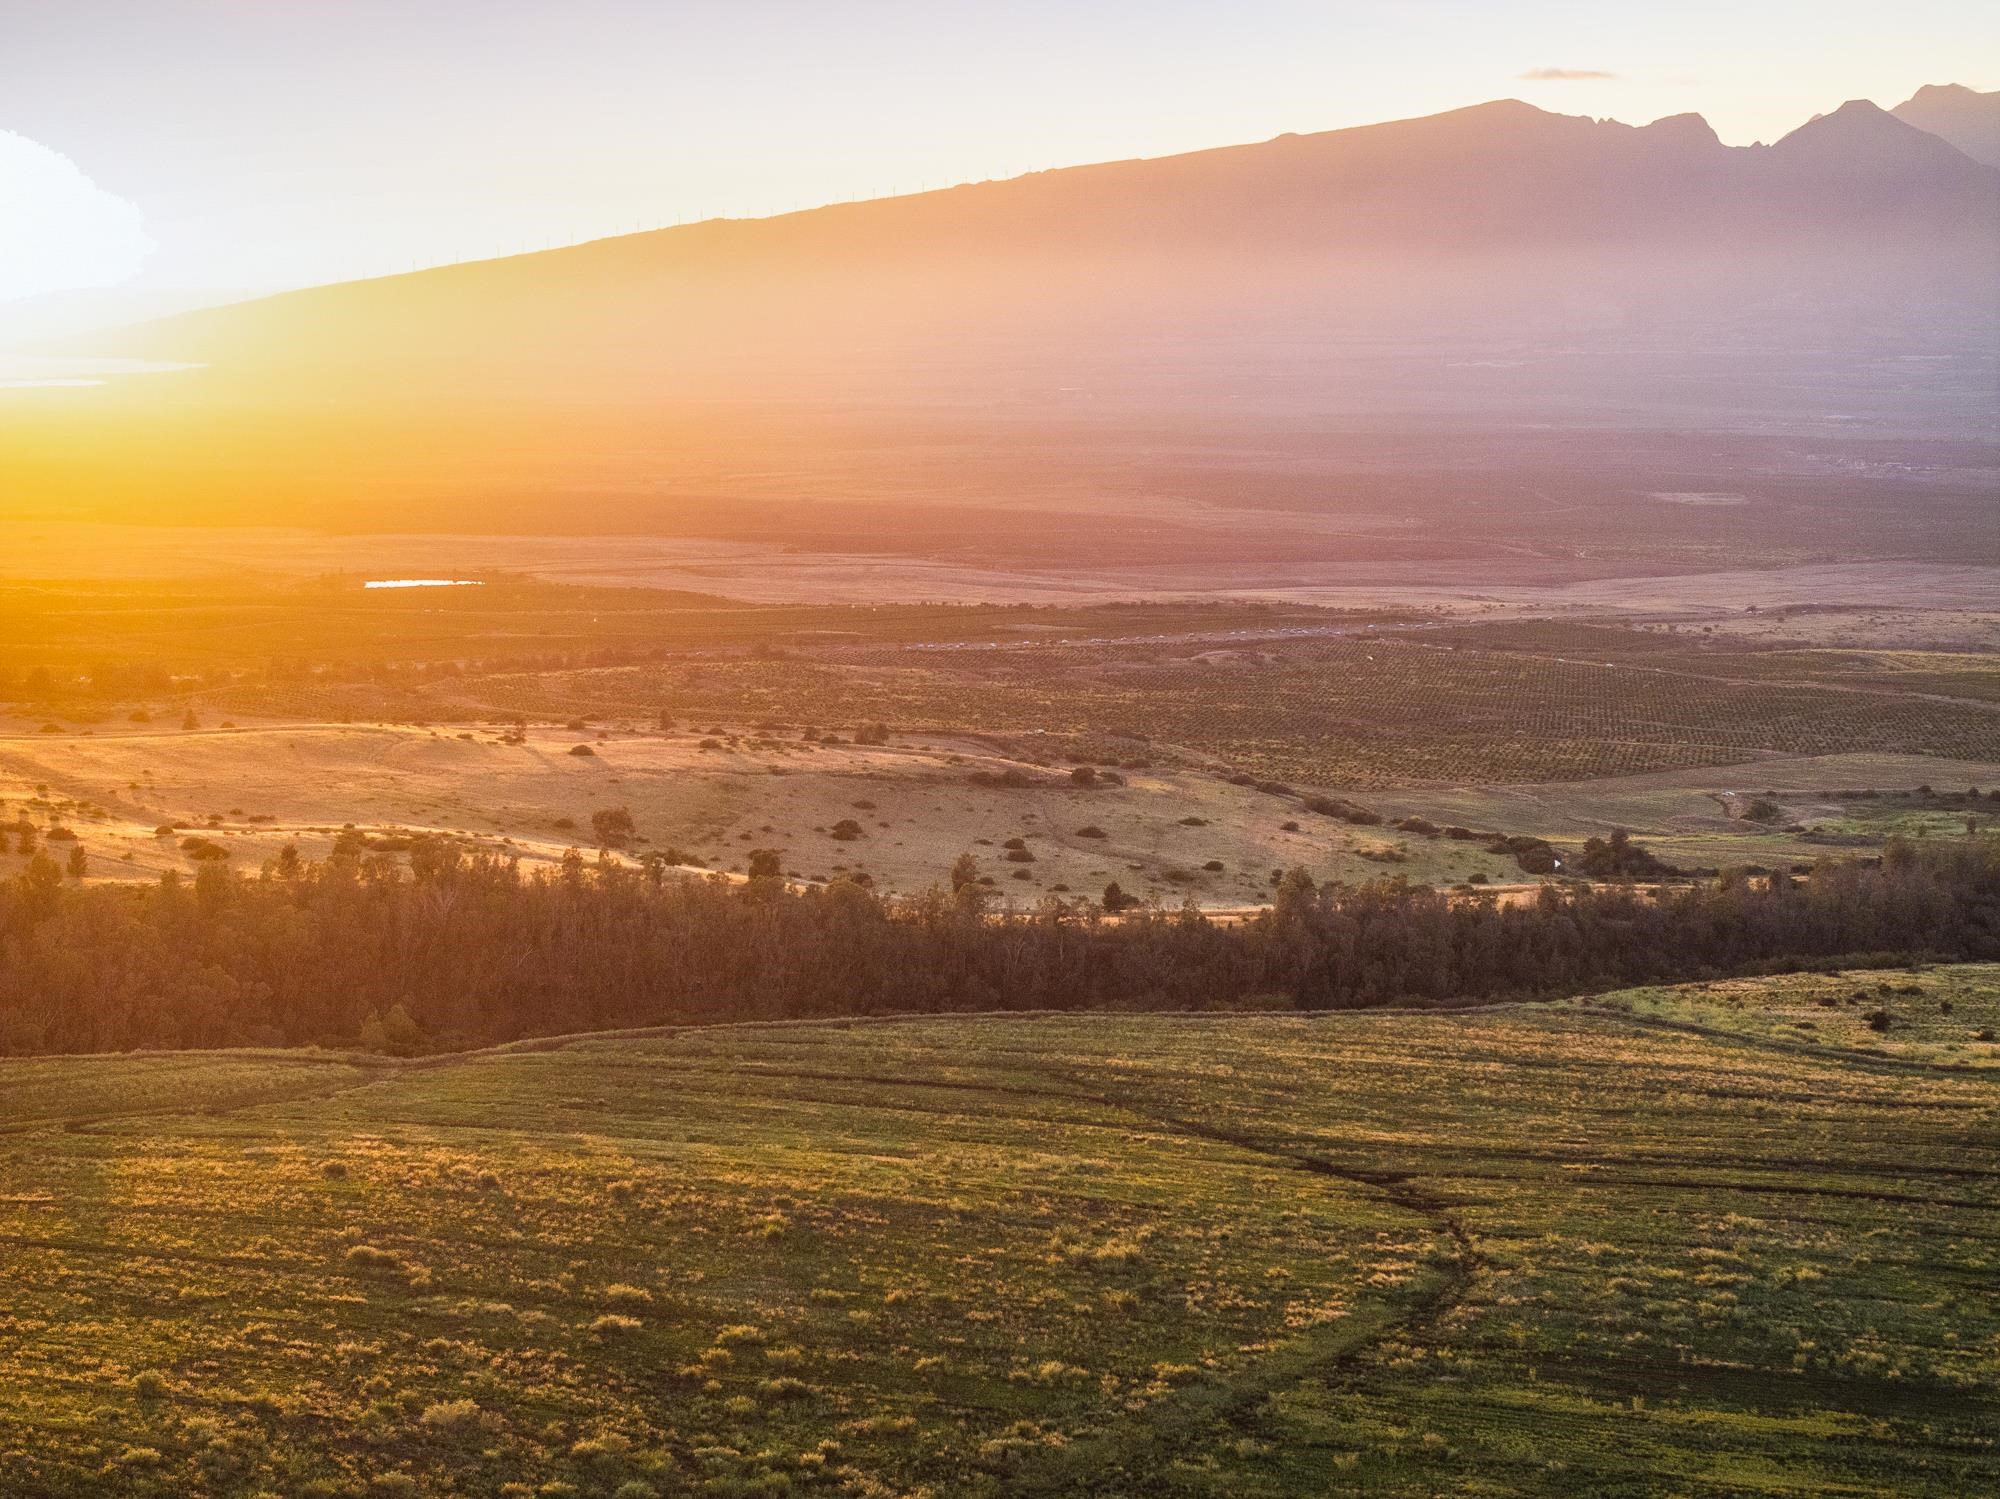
(1653, 1243)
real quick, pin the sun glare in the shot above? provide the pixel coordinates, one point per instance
(62, 232)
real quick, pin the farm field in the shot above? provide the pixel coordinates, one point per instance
(1695, 818)
(1658, 1242)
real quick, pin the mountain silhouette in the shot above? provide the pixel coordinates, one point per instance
(1497, 261)
(1500, 216)
(1862, 141)
(1952, 112)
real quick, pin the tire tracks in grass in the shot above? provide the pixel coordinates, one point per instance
(1130, 1455)
(365, 1068)
(1113, 1460)
(1783, 1046)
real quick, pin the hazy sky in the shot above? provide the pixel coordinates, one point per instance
(268, 143)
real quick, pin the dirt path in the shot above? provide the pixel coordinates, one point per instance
(1116, 1460)
(1123, 1460)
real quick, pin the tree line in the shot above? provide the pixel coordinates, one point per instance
(447, 949)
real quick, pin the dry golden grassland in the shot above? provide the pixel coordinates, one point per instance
(723, 727)
(915, 802)
(1661, 1242)
(134, 797)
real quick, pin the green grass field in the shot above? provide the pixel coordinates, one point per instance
(1663, 1242)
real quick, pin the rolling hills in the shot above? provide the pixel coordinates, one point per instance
(1725, 1238)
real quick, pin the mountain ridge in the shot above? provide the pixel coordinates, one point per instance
(1967, 118)
(1482, 180)
(1497, 264)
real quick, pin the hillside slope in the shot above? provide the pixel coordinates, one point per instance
(1131, 344)
(1724, 1238)
(1500, 219)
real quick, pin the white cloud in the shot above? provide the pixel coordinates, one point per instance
(59, 231)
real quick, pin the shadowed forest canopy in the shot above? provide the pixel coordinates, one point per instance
(462, 951)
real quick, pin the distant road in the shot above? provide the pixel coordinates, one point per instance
(1180, 637)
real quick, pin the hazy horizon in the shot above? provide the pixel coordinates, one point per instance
(219, 150)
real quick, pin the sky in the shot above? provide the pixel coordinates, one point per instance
(155, 150)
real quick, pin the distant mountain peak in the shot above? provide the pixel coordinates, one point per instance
(1862, 136)
(1519, 109)
(1934, 92)
(1690, 128)
(1967, 118)
(1855, 114)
